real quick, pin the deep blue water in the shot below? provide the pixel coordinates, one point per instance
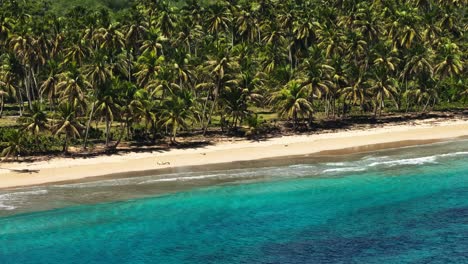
(405, 206)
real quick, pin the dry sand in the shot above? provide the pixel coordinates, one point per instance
(66, 169)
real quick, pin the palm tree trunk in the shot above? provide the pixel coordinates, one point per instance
(122, 132)
(20, 103)
(65, 144)
(107, 131)
(381, 106)
(2, 103)
(376, 107)
(407, 104)
(427, 103)
(210, 114)
(174, 132)
(295, 120)
(205, 104)
(35, 90)
(27, 89)
(88, 125)
(290, 56)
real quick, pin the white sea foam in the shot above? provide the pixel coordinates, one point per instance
(417, 161)
(374, 158)
(6, 207)
(185, 178)
(461, 153)
(301, 166)
(7, 199)
(345, 169)
(291, 171)
(338, 164)
(104, 183)
(413, 161)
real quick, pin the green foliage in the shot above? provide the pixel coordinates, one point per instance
(12, 143)
(61, 7)
(140, 70)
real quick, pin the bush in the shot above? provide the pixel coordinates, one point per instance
(6, 134)
(257, 126)
(28, 144)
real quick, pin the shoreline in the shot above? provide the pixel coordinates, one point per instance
(334, 143)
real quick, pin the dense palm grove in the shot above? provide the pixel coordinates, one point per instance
(155, 68)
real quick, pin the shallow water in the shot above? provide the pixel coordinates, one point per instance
(407, 205)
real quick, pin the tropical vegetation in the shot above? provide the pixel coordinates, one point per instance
(154, 69)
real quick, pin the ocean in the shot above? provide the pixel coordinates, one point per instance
(405, 205)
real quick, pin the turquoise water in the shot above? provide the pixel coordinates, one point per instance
(402, 206)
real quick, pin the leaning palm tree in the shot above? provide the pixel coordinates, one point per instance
(292, 101)
(67, 124)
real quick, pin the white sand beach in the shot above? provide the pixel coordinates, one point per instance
(65, 169)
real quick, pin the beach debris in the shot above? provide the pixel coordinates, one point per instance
(21, 170)
(204, 154)
(163, 163)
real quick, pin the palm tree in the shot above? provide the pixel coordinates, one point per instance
(167, 22)
(355, 94)
(77, 52)
(7, 88)
(107, 107)
(148, 64)
(72, 87)
(381, 86)
(451, 63)
(315, 74)
(247, 26)
(422, 92)
(14, 145)
(331, 40)
(37, 122)
(145, 109)
(292, 101)
(110, 38)
(99, 72)
(153, 43)
(218, 19)
(235, 104)
(50, 85)
(67, 124)
(176, 111)
(404, 31)
(418, 61)
(23, 48)
(222, 73)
